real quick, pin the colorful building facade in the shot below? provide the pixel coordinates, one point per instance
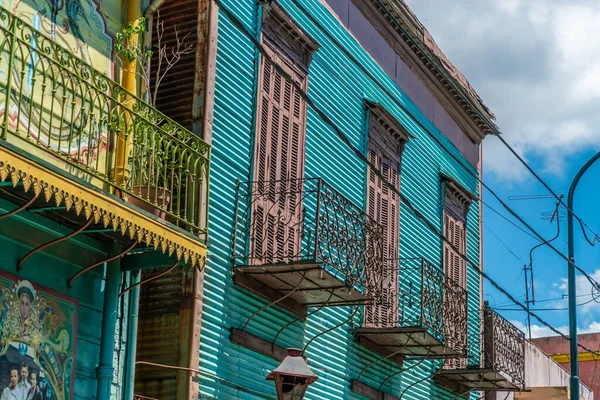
(102, 198)
(558, 349)
(345, 148)
(344, 152)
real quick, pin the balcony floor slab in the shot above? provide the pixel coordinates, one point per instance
(310, 283)
(475, 379)
(413, 342)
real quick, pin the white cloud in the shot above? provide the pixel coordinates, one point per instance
(541, 77)
(543, 331)
(540, 331)
(584, 292)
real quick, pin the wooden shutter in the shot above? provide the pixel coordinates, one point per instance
(383, 206)
(454, 265)
(279, 164)
(176, 91)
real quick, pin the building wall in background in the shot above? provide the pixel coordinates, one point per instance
(589, 368)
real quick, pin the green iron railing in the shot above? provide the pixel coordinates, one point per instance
(53, 102)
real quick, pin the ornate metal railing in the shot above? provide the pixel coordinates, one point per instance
(417, 293)
(306, 220)
(503, 347)
(52, 102)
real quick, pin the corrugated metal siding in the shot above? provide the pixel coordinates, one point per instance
(337, 87)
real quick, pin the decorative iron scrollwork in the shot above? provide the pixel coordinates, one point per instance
(59, 104)
(307, 220)
(424, 297)
(506, 353)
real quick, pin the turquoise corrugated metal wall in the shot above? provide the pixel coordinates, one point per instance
(337, 86)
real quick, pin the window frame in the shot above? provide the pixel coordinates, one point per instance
(287, 48)
(456, 204)
(387, 137)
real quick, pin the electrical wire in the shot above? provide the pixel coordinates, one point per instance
(595, 298)
(569, 210)
(517, 257)
(235, 21)
(508, 220)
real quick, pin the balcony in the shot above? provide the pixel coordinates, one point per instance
(422, 315)
(57, 111)
(498, 365)
(301, 243)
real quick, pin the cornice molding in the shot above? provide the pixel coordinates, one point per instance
(414, 45)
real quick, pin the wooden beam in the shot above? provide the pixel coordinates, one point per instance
(257, 344)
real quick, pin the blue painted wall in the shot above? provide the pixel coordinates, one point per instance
(338, 87)
(52, 268)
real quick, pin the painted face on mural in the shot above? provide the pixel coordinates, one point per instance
(25, 306)
(14, 378)
(24, 373)
(34, 323)
(33, 379)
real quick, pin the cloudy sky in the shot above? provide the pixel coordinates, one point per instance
(536, 64)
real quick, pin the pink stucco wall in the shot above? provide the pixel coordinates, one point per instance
(589, 371)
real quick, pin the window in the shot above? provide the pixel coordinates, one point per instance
(280, 138)
(386, 142)
(456, 207)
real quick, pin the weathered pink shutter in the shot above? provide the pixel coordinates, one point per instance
(456, 269)
(382, 205)
(279, 164)
(454, 265)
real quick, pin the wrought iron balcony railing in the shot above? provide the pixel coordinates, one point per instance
(54, 104)
(496, 358)
(418, 299)
(503, 347)
(304, 224)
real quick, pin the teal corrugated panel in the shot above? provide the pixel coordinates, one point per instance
(338, 87)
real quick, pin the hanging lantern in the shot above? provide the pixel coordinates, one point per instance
(292, 377)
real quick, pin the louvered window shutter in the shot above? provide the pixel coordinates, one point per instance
(175, 94)
(279, 166)
(454, 265)
(383, 205)
(455, 268)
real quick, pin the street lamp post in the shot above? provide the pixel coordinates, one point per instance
(574, 353)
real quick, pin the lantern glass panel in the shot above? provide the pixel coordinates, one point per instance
(291, 387)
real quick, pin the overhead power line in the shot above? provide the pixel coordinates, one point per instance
(377, 172)
(511, 251)
(508, 220)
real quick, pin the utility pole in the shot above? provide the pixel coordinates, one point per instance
(525, 269)
(574, 352)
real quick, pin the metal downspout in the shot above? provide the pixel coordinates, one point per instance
(132, 329)
(574, 352)
(105, 370)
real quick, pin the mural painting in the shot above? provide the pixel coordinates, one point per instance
(57, 101)
(38, 335)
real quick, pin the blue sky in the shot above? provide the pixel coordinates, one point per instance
(541, 78)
